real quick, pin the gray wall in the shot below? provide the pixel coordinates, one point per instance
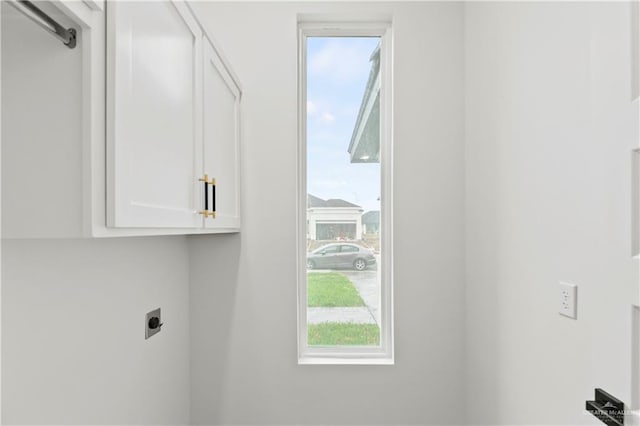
(549, 129)
(549, 126)
(73, 332)
(243, 288)
(73, 348)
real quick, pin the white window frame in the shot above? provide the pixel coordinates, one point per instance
(383, 354)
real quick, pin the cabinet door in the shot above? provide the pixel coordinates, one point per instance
(221, 139)
(154, 144)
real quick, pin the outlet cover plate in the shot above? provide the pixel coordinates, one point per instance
(148, 332)
(568, 298)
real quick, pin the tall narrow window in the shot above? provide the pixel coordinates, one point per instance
(344, 226)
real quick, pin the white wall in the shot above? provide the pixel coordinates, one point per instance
(549, 129)
(73, 332)
(1, 14)
(42, 113)
(73, 347)
(243, 288)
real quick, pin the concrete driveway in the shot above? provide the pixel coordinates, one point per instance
(367, 283)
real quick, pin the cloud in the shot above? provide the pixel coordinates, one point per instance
(320, 115)
(327, 118)
(312, 109)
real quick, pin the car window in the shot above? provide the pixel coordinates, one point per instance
(331, 249)
(349, 249)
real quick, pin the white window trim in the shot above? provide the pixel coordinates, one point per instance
(351, 355)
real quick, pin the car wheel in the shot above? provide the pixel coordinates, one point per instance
(310, 264)
(360, 264)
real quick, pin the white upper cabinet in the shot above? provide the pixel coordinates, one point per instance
(172, 120)
(125, 161)
(153, 96)
(221, 121)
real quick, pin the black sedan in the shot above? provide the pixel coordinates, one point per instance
(341, 255)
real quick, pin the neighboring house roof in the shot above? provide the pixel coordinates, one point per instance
(313, 201)
(372, 216)
(337, 202)
(365, 140)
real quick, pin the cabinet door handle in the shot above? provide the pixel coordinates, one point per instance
(213, 198)
(205, 211)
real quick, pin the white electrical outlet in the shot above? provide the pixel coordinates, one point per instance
(568, 300)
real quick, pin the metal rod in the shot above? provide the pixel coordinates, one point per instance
(31, 11)
(213, 197)
(206, 195)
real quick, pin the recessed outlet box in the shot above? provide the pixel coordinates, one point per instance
(152, 323)
(568, 300)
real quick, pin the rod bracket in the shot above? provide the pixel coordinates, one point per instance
(71, 44)
(67, 36)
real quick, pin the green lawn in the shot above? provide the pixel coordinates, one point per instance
(331, 334)
(331, 289)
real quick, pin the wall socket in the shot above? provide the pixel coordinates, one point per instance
(568, 300)
(152, 323)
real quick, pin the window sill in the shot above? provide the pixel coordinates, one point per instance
(319, 360)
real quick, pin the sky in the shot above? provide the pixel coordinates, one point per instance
(337, 73)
